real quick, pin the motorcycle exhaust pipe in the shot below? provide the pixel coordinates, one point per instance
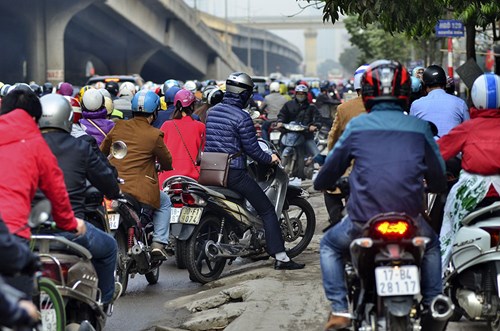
(212, 250)
(140, 256)
(441, 308)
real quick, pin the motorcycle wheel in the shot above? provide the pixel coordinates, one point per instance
(153, 276)
(201, 268)
(302, 222)
(51, 306)
(180, 247)
(121, 268)
(398, 323)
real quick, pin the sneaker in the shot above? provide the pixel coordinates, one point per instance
(337, 322)
(290, 265)
(158, 251)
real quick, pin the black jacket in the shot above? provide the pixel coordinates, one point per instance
(14, 254)
(79, 162)
(303, 113)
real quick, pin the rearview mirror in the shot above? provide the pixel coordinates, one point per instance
(40, 213)
(118, 150)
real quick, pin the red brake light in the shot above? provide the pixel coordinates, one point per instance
(188, 199)
(108, 204)
(396, 229)
(51, 270)
(175, 188)
(494, 235)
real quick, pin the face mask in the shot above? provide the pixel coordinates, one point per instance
(300, 98)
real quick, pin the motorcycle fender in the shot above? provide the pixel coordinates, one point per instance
(182, 231)
(295, 191)
(399, 306)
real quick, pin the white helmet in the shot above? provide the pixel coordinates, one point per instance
(358, 74)
(105, 93)
(274, 87)
(92, 100)
(485, 92)
(127, 89)
(190, 86)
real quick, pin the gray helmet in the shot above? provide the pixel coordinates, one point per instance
(56, 112)
(239, 82)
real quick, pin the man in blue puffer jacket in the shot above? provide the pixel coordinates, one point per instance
(230, 130)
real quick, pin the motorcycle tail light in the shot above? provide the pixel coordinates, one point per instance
(494, 233)
(393, 229)
(110, 205)
(363, 242)
(193, 200)
(51, 270)
(175, 188)
(420, 241)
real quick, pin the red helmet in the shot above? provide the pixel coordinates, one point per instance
(385, 80)
(185, 97)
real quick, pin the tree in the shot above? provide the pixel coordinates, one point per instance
(417, 18)
(350, 59)
(326, 67)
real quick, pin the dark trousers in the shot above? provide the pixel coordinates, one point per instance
(334, 206)
(241, 182)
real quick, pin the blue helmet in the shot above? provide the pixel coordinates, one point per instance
(145, 102)
(168, 84)
(170, 94)
(416, 84)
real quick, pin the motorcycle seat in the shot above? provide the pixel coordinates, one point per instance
(227, 192)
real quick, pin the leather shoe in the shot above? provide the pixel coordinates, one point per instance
(336, 322)
(290, 265)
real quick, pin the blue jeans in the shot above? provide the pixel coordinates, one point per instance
(336, 242)
(238, 180)
(161, 219)
(103, 248)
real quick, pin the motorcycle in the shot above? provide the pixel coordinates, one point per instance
(213, 225)
(474, 280)
(131, 224)
(293, 156)
(383, 277)
(72, 299)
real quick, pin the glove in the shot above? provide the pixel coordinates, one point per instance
(34, 264)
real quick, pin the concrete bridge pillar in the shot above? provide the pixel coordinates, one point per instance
(217, 68)
(310, 50)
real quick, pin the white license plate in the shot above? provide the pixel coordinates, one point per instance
(274, 135)
(190, 215)
(48, 316)
(114, 221)
(174, 215)
(402, 280)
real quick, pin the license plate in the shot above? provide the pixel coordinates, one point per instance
(190, 215)
(114, 221)
(274, 135)
(402, 280)
(174, 215)
(48, 316)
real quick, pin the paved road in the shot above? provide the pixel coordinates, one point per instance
(143, 306)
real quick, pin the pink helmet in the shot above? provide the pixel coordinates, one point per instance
(185, 97)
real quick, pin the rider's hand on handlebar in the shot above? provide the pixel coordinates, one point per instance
(279, 124)
(313, 128)
(275, 159)
(30, 308)
(81, 228)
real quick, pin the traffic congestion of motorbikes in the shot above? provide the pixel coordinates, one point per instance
(363, 142)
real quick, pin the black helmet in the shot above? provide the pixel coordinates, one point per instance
(47, 88)
(112, 88)
(385, 80)
(434, 75)
(324, 86)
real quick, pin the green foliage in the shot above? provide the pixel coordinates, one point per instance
(350, 59)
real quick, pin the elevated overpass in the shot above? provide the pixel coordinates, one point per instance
(59, 40)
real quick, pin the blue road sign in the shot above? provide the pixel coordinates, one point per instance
(449, 28)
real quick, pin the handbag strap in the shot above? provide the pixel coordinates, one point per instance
(98, 128)
(187, 150)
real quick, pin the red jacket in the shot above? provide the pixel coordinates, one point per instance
(193, 134)
(26, 163)
(479, 141)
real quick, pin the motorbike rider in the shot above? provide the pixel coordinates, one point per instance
(94, 113)
(124, 101)
(479, 141)
(326, 104)
(393, 154)
(22, 144)
(79, 163)
(273, 102)
(345, 112)
(166, 115)
(305, 113)
(230, 130)
(145, 147)
(444, 110)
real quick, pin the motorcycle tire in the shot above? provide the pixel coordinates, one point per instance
(153, 276)
(304, 208)
(398, 323)
(180, 247)
(49, 301)
(121, 269)
(201, 268)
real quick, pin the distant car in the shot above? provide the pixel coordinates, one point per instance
(134, 79)
(261, 82)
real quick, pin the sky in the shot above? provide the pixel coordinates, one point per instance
(327, 47)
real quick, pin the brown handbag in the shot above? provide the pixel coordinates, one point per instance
(214, 168)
